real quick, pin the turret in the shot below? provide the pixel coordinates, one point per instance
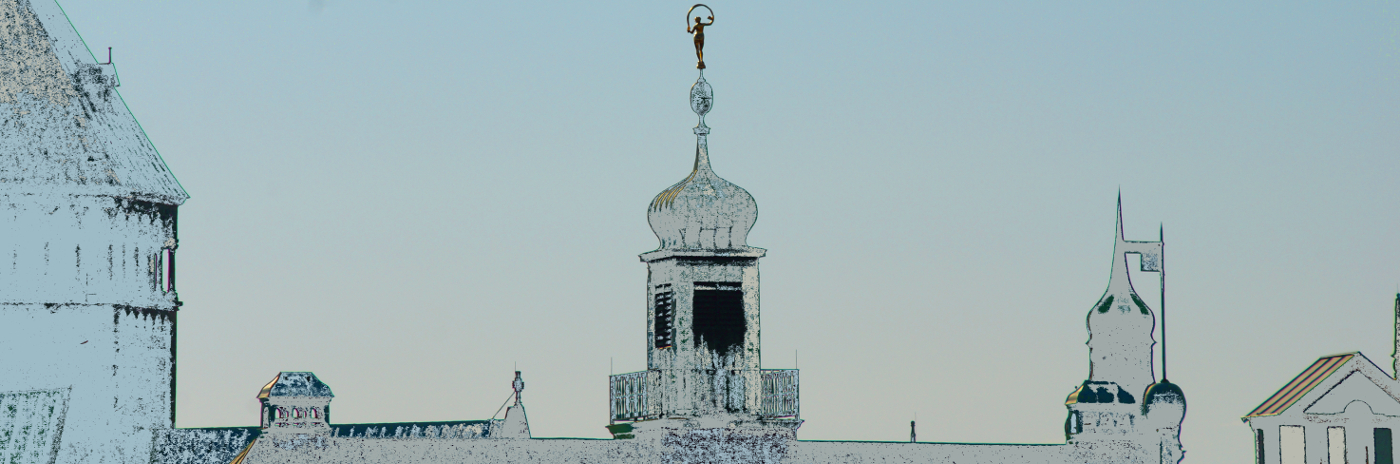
(88, 297)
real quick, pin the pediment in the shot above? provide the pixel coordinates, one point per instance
(1355, 387)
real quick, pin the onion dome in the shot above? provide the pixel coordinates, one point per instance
(703, 211)
(1161, 393)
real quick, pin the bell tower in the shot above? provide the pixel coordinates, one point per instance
(702, 299)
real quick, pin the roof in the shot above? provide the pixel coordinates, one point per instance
(31, 425)
(440, 429)
(1301, 385)
(207, 445)
(64, 129)
(295, 384)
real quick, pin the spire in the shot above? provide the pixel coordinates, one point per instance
(701, 100)
(1120, 323)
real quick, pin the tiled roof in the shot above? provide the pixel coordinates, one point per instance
(1301, 385)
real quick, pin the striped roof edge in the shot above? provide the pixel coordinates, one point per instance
(1301, 385)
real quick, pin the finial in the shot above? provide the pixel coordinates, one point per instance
(702, 98)
(699, 30)
(519, 386)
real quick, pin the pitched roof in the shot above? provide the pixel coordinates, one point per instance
(295, 384)
(64, 129)
(1301, 385)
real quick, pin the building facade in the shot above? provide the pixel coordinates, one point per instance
(1341, 408)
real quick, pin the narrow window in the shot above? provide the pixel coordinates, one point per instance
(1290, 444)
(719, 316)
(1336, 445)
(169, 270)
(1383, 450)
(663, 325)
(1258, 446)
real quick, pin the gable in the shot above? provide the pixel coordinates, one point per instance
(1302, 384)
(1355, 387)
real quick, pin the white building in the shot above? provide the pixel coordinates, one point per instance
(1342, 408)
(87, 322)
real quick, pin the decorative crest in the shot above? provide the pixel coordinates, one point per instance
(699, 30)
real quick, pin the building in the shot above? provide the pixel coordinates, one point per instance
(87, 324)
(88, 211)
(1342, 408)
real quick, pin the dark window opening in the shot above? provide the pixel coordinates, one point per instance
(1258, 446)
(664, 319)
(169, 270)
(719, 316)
(1383, 451)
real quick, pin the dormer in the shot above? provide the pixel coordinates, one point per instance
(296, 403)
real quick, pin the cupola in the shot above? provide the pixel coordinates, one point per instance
(296, 402)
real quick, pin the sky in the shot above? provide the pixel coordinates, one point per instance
(414, 199)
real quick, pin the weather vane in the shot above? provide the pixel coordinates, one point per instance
(699, 30)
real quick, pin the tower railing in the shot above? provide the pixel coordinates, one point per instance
(780, 394)
(631, 395)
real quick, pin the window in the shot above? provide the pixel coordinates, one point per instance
(719, 316)
(1336, 445)
(1258, 446)
(1383, 451)
(664, 308)
(169, 269)
(1290, 444)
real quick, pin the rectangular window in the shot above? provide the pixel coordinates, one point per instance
(718, 318)
(1336, 445)
(1291, 449)
(1258, 446)
(663, 324)
(1383, 450)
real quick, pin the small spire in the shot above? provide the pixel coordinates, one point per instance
(1119, 229)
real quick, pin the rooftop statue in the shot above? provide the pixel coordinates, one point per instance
(699, 30)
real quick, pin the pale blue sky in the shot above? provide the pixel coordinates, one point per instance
(409, 198)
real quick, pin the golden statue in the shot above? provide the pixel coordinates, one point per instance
(699, 30)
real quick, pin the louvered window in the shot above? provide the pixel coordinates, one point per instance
(663, 324)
